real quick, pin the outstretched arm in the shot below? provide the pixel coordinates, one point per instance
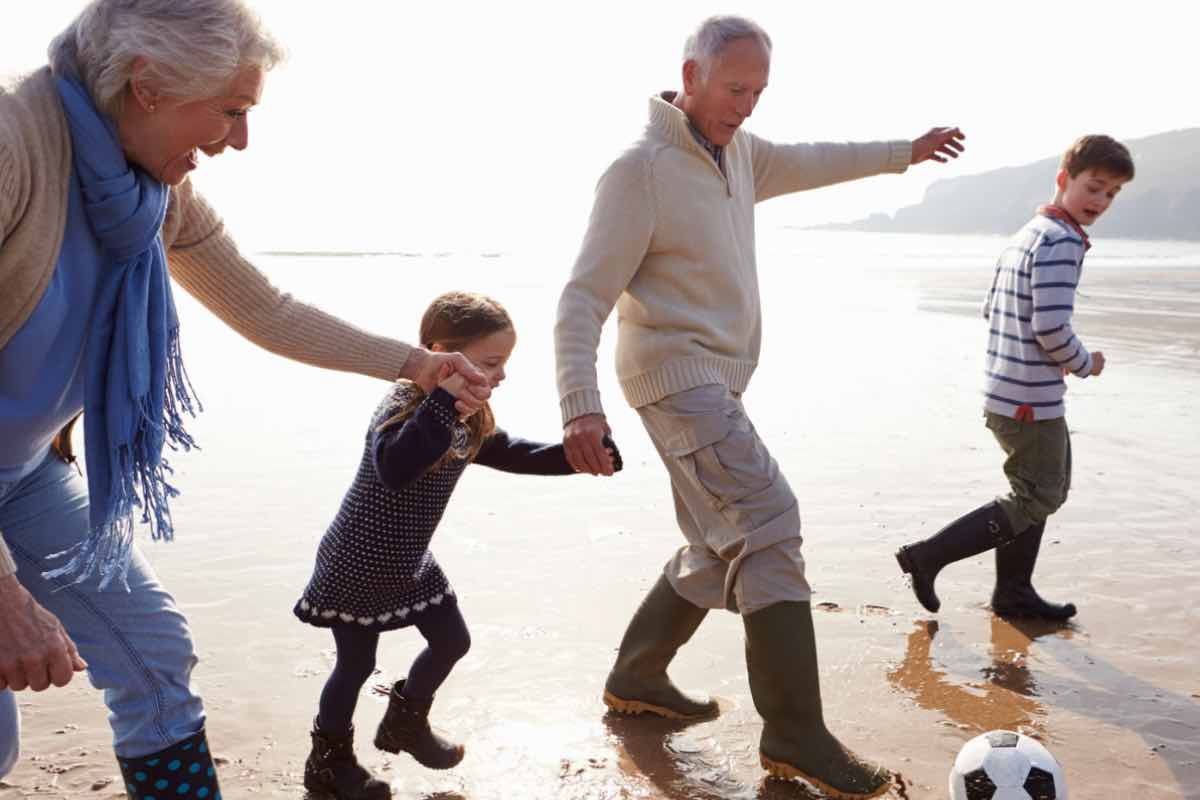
(514, 454)
(784, 168)
(206, 262)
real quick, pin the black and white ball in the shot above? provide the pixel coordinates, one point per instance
(1002, 765)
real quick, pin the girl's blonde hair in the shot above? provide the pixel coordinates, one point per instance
(454, 320)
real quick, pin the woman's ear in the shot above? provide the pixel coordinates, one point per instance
(436, 347)
(140, 85)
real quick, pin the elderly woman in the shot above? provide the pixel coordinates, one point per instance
(95, 210)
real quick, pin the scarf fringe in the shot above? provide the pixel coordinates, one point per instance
(140, 482)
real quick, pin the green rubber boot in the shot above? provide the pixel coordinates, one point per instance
(781, 659)
(638, 682)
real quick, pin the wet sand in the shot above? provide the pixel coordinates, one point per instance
(879, 433)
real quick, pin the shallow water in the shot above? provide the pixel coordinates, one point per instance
(866, 395)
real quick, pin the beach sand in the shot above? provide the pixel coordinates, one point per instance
(875, 420)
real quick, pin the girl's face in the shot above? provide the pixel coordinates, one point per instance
(489, 354)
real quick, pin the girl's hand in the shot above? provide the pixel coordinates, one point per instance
(453, 382)
(428, 369)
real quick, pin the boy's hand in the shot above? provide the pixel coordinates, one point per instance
(1097, 363)
(946, 141)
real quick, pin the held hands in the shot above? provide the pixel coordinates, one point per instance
(35, 651)
(589, 446)
(944, 141)
(428, 369)
(452, 382)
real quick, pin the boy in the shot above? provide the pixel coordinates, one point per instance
(1031, 349)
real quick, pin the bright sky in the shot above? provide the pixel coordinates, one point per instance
(484, 125)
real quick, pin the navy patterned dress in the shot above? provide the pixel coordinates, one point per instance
(374, 569)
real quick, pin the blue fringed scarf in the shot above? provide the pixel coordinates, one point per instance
(135, 387)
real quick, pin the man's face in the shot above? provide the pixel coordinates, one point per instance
(1088, 195)
(719, 99)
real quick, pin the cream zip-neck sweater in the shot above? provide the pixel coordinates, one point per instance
(670, 243)
(35, 168)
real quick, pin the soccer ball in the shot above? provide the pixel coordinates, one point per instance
(1002, 765)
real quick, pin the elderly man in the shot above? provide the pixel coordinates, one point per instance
(671, 244)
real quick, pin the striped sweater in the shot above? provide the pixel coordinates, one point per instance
(1029, 309)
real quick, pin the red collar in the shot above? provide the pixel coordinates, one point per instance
(1062, 215)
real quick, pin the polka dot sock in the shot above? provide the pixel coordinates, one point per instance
(183, 771)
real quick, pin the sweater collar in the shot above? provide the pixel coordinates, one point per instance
(669, 120)
(1062, 215)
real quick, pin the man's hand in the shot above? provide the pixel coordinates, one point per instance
(35, 651)
(1097, 363)
(428, 369)
(939, 145)
(583, 441)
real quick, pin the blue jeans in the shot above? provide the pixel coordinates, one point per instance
(136, 643)
(10, 732)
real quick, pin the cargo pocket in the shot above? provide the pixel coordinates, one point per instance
(723, 456)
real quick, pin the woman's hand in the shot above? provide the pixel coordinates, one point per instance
(35, 651)
(428, 369)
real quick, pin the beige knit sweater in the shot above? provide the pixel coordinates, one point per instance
(35, 168)
(670, 243)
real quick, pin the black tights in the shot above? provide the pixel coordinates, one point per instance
(447, 640)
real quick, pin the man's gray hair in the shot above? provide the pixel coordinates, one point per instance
(714, 33)
(194, 49)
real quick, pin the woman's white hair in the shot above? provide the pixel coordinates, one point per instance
(705, 45)
(193, 48)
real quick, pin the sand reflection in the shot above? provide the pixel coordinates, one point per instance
(1004, 695)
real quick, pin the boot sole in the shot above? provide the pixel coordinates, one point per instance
(785, 771)
(1025, 613)
(380, 745)
(319, 792)
(633, 707)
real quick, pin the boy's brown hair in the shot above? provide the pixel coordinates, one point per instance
(1100, 153)
(454, 320)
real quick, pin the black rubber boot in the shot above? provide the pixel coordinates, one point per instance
(183, 769)
(781, 658)
(332, 770)
(1014, 595)
(982, 529)
(638, 681)
(405, 727)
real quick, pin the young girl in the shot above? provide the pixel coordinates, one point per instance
(374, 570)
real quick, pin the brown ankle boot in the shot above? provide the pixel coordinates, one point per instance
(405, 727)
(332, 770)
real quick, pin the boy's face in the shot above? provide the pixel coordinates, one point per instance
(1088, 195)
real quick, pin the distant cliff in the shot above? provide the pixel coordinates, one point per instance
(1162, 202)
